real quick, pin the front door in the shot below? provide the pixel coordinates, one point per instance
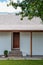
(16, 40)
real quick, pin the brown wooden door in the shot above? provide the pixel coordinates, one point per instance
(16, 40)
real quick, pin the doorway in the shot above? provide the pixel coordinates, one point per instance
(16, 39)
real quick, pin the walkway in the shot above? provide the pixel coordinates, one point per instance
(21, 58)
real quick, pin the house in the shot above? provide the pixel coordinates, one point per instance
(25, 35)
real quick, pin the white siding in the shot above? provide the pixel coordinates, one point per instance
(37, 43)
(25, 43)
(5, 42)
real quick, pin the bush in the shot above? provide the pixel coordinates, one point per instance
(6, 53)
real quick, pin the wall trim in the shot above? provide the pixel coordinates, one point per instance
(21, 30)
(30, 44)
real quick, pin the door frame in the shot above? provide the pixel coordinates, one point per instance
(12, 41)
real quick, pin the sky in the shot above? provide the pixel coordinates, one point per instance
(3, 0)
(10, 9)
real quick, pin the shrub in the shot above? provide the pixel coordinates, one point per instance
(6, 53)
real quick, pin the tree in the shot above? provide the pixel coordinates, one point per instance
(30, 8)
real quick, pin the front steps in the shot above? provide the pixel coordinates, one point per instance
(15, 52)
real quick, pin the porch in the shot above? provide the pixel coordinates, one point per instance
(30, 43)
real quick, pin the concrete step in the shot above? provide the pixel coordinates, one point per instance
(15, 52)
(15, 55)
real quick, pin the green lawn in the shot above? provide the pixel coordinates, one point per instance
(21, 62)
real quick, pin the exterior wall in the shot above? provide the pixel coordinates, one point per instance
(37, 43)
(25, 43)
(5, 42)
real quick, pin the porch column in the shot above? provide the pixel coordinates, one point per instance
(30, 44)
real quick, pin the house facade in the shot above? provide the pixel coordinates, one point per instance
(26, 35)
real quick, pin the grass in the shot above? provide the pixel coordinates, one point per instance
(21, 62)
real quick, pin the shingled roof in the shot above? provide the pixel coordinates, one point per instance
(13, 22)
